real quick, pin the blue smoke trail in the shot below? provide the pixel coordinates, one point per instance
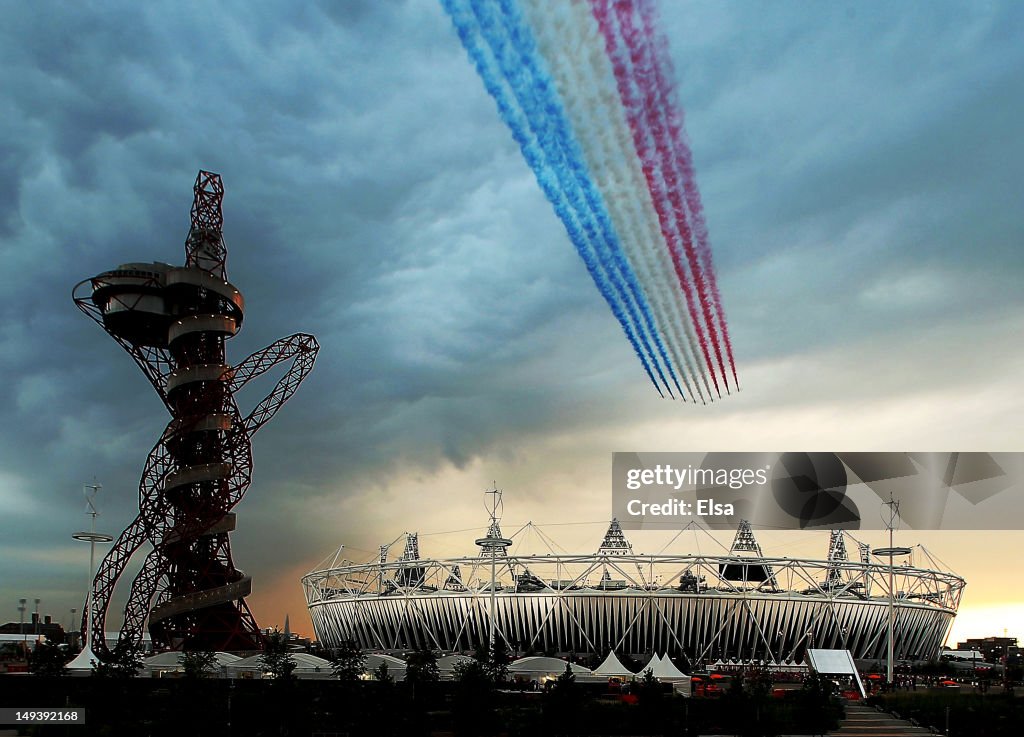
(464, 22)
(543, 106)
(545, 112)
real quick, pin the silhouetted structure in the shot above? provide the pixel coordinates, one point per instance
(174, 322)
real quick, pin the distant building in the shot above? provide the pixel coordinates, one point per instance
(30, 631)
(993, 648)
(291, 639)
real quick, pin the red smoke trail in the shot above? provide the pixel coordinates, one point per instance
(643, 74)
(636, 123)
(664, 75)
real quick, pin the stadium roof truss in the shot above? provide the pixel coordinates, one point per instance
(703, 606)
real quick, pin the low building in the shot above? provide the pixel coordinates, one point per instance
(993, 649)
(33, 630)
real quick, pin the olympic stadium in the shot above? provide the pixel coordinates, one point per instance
(740, 605)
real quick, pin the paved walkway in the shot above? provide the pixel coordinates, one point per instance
(862, 721)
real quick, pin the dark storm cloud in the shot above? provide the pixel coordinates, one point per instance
(857, 165)
(849, 152)
(355, 209)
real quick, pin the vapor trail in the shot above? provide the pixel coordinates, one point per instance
(664, 78)
(515, 51)
(570, 44)
(586, 88)
(673, 231)
(644, 77)
(469, 33)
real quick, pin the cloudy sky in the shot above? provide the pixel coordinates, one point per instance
(860, 168)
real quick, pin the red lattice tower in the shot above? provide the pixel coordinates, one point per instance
(174, 322)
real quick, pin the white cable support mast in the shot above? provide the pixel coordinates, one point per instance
(891, 552)
(85, 659)
(493, 544)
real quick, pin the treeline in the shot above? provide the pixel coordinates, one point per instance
(472, 706)
(480, 701)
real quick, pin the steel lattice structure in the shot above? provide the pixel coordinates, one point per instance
(704, 607)
(174, 322)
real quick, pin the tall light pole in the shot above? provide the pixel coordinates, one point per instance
(493, 544)
(890, 553)
(21, 621)
(36, 618)
(84, 659)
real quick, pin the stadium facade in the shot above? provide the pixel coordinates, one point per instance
(741, 605)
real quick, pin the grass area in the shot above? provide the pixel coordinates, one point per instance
(969, 714)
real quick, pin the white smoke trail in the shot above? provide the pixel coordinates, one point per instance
(572, 45)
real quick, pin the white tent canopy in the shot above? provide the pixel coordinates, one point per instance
(539, 665)
(666, 670)
(396, 666)
(306, 666)
(170, 662)
(612, 667)
(446, 665)
(652, 663)
(172, 659)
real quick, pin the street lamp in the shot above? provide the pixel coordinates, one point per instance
(37, 620)
(84, 659)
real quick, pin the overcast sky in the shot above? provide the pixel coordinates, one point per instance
(860, 167)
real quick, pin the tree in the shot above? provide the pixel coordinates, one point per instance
(473, 699)
(277, 659)
(421, 666)
(648, 688)
(760, 682)
(819, 710)
(567, 679)
(819, 687)
(348, 661)
(11, 651)
(48, 659)
(198, 663)
(471, 672)
(124, 661)
(562, 704)
(380, 674)
(495, 660)
(737, 686)
(499, 661)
